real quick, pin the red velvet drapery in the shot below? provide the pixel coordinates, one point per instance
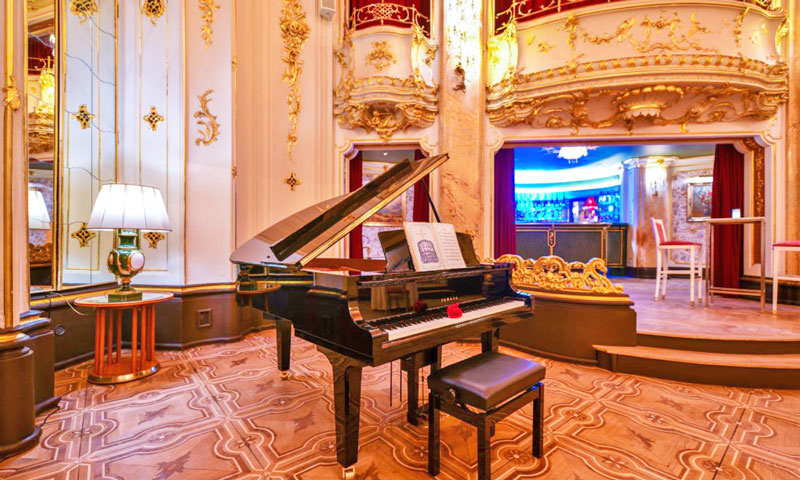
(531, 9)
(505, 225)
(355, 181)
(421, 211)
(727, 192)
(421, 6)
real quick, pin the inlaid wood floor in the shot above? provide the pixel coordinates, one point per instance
(728, 317)
(221, 412)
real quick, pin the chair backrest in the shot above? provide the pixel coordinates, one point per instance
(659, 231)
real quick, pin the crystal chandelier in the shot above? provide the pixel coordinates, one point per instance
(572, 154)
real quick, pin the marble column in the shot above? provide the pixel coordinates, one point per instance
(792, 41)
(461, 107)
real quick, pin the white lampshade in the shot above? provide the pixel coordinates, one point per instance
(129, 206)
(38, 218)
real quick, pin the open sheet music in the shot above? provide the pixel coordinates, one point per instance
(434, 246)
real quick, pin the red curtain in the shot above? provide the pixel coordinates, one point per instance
(727, 192)
(355, 180)
(422, 6)
(505, 225)
(421, 211)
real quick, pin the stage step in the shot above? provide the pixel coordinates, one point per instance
(737, 370)
(720, 344)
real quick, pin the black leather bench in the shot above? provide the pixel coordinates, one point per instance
(494, 383)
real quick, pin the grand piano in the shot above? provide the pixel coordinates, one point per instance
(369, 312)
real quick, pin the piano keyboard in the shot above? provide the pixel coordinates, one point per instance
(439, 319)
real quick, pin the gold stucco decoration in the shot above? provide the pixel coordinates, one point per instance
(11, 98)
(210, 128)
(153, 9)
(83, 9)
(83, 117)
(206, 31)
(153, 238)
(292, 181)
(153, 118)
(294, 32)
(381, 55)
(83, 236)
(554, 274)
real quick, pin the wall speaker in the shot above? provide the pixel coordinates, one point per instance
(327, 9)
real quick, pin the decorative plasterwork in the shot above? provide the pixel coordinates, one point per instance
(83, 117)
(758, 175)
(206, 31)
(153, 238)
(292, 181)
(83, 9)
(83, 236)
(210, 128)
(294, 31)
(153, 118)
(153, 9)
(11, 97)
(385, 104)
(380, 56)
(554, 274)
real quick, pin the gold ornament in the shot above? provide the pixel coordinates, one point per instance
(292, 181)
(153, 118)
(153, 9)
(83, 236)
(83, 9)
(381, 55)
(210, 130)
(294, 31)
(153, 238)
(83, 117)
(11, 94)
(554, 274)
(207, 7)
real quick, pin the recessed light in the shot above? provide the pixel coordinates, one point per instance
(385, 154)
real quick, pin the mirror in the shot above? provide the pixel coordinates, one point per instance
(42, 151)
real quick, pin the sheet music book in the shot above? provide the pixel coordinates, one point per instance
(434, 246)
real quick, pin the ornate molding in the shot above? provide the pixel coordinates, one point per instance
(206, 31)
(292, 181)
(153, 118)
(153, 238)
(83, 9)
(40, 254)
(83, 236)
(11, 98)
(210, 128)
(380, 56)
(153, 9)
(294, 31)
(83, 117)
(554, 274)
(759, 187)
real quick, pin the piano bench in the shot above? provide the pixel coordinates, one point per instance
(497, 385)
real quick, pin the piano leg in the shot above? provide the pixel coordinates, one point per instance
(283, 329)
(347, 407)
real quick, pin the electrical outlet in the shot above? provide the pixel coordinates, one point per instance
(204, 318)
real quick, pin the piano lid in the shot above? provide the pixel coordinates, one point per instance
(303, 236)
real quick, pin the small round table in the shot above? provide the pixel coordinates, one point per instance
(109, 364)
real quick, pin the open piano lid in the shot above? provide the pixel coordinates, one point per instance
(303, 236)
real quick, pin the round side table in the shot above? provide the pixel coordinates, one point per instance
(109, 364)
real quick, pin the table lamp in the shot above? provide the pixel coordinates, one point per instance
(38, 218)
(127, 209)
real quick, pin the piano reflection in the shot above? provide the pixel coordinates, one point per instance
(369, 312)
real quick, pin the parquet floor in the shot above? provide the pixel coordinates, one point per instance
(221, 412)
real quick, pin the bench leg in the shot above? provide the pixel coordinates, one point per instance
(538, 423)
(433, 434)
(485, 451)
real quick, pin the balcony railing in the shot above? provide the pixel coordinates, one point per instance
(385, 12)
(507, 11)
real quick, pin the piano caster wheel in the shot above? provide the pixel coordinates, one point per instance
(349, 473)
(284, 374)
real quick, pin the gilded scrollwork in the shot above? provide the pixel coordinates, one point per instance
(292, 181)
(381, 55)
(294, 32)
(153, 118)
(554, 274)
(207, 7)
(83, 9)
(210, 128)
(153, 9)
(83, 235)
(11, 98)
(153, 238)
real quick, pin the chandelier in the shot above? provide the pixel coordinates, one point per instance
(572, 154)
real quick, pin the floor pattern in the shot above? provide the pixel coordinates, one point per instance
(222, 412)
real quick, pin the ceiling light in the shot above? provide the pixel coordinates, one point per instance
(572, 154)
(385, 154)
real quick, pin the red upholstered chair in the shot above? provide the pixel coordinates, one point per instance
(777, 248)
(663, 248)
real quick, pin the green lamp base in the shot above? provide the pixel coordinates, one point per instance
(125, 261)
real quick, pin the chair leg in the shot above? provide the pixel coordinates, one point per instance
(485, 451)
(665, 266)
(658, 273)
(538, 423)
(775, 268)
(691, 276)
(433, 434)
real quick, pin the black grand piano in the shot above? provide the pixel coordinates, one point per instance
(369, 312)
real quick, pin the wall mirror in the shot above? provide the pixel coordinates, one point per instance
(72, 137)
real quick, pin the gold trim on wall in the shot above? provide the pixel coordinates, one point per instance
(210, 130)
(207, 7)
(83, 235)
(153, 238)
(294, 31)
(11, 103)
(83, 9)
(153, 9)
(153, 118)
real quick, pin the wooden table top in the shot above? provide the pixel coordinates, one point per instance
(734, 221)
(101, 301)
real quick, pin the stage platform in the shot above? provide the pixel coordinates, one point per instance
(729, 343)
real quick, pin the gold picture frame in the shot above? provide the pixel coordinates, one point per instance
(698, 198)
